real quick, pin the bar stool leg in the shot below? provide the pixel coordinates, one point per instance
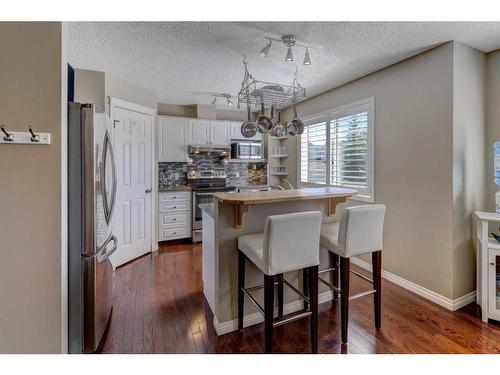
(344, 296)
(280, 296)
(268, 312)
(313, 288)
(377, 285)
(334, 262)
(241, 285)
(305, 286)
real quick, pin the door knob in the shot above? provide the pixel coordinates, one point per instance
(148, 191)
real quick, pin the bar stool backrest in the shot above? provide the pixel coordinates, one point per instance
(361, 229)
(291, 241)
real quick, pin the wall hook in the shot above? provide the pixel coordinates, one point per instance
(8, 137)
(34, 137)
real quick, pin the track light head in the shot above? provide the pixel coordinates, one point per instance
(264, 51)
(289, 55)
(307, 59)
(229, 102)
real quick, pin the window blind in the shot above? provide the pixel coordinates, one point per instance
(349, 150)
(313, 155)
(336, 149)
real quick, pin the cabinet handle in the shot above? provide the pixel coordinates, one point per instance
(492, 264)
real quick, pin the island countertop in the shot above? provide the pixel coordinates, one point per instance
(262, 197)
(243, 201)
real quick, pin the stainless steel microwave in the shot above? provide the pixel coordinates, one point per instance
(247, 150)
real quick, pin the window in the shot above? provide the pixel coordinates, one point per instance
(336, 148)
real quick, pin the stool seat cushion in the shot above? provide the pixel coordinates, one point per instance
(252, 245)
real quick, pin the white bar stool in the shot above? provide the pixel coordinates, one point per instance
(290, 242)
(359, 232)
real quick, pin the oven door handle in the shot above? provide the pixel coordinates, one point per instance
(204, 193)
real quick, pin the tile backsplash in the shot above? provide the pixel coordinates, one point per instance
(238, 174)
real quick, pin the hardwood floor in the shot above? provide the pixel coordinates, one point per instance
(159, 307)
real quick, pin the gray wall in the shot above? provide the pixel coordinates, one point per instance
(30, 187)
(492, 122)
(469, 73)
(413, 161)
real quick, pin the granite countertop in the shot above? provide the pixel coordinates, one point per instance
(174, 188)
(208, 208)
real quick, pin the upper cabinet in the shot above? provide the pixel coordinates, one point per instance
(208, 132)
(171, 139)
(175, 134)
(236, 133)
(198, 132)
(220, 133)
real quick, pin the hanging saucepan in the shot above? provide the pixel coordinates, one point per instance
(278, 130)
(264, 123)
(249, 128)
(296, 126)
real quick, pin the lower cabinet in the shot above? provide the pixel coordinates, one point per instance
(174, 215)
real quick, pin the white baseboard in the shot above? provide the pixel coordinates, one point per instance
(256, 318)
(420, 290)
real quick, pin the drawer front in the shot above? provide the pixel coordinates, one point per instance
(174, 219)
(175, 206)
(176, 196)
(174, 233)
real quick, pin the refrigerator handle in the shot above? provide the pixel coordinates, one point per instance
(108, 205)
(115, 179)
(103, 252)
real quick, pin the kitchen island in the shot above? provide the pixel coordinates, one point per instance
(234, 214)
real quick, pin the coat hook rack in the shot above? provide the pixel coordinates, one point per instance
(26, 138)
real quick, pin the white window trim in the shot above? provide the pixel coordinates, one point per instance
(369, 103)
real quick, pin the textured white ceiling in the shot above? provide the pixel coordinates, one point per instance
(186, 61)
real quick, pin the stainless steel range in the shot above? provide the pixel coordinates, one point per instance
(204, 184)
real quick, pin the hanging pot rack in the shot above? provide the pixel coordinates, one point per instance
(257, 92)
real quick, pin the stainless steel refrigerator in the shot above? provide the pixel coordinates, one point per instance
(91, 199)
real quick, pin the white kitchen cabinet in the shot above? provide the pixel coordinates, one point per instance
(198, 132)
(220, 133)
(208, 132)
(236, 133)
(171, 139)
(174, 215)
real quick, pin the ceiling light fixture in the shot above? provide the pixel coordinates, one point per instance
(289, 41)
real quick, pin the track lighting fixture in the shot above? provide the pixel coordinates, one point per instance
(289, 41)
(225, 96)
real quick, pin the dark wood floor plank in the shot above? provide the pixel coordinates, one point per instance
(159, 307)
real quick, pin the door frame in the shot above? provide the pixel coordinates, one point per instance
(116, 102)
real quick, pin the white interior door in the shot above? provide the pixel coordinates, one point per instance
(133, 208)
